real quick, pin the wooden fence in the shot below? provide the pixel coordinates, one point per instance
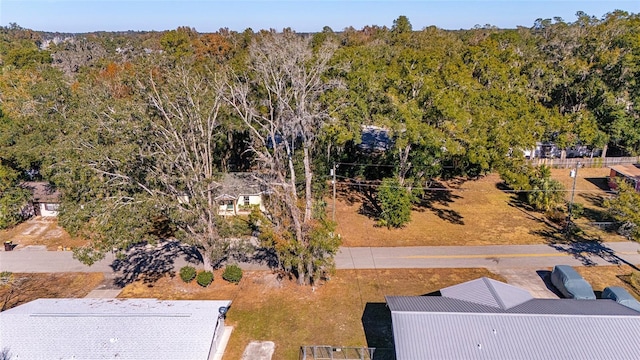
(596, 162)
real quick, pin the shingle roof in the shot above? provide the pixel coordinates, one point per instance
(236, 184)
(110, 328)
(42, 191)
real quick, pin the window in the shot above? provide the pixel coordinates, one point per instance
(230, 205)
(246, 200)
(51, 207)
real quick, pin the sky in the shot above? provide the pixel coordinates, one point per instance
(300, 15)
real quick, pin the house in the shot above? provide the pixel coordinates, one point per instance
(45, 199)
(375, 139)
(629, 173)
(239, 193)
(113, 328)
(488, 319)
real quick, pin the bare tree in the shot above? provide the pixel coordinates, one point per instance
(186, 128)
(150, 159)
(279, 101)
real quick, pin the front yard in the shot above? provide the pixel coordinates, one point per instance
(474, 212)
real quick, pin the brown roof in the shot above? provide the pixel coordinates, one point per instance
(42, 191)
(632, 170)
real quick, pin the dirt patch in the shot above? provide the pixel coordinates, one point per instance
(22, 288)
(474, 212)
(41, 231)
(349, 310)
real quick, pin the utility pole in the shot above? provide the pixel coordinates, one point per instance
(333, 173)
(574, 175)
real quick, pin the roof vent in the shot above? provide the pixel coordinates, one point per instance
(479, 346)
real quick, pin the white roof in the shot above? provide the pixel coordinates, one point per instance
(110, 328)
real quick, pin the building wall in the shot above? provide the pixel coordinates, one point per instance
(239, 206)
(47, 209)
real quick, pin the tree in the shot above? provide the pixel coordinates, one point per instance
(625, 209)
(279, 101)
(147, 160)
(395, 203)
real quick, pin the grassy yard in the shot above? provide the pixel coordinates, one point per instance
(602, 276)
(23, 288)
(474, 212)
(349, 310)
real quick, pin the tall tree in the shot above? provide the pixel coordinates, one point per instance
(279, 101)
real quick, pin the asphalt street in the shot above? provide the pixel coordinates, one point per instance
(36, 259)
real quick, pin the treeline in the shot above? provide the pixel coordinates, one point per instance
(125, 124)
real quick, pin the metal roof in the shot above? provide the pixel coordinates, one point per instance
(605, 307)
(488, 292)
(424, 335)
(484, 323)
(110, 328)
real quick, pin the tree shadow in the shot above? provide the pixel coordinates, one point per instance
(151, 262)
(438, 197)
(581, 247)
(378, 330)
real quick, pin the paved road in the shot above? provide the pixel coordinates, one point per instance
(491, 257)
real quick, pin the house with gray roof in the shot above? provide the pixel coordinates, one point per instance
(488, 319)
(239, 193)
(113, 329)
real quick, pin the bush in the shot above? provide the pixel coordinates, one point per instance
(187, 273)
(395, 203)
(232, 273)
(204, 278)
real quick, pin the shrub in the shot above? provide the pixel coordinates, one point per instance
(204, 278)
(395, 203)
(187, 273)
(232, 273)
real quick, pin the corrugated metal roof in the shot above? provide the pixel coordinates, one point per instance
(604, 307)
(425, 335)
(534, 306)
(487, 327)
(110, 328)
(436, 304)
(488, 292)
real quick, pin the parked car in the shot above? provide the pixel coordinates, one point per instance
(570, 284)
(621, 296)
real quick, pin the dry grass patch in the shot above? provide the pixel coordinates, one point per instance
(474, 212)
(41, 231)
(267, 308)
(602, 276)
(24, 287)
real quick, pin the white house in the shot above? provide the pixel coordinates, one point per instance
(113, 329)
(45, 198)
(240, 192)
